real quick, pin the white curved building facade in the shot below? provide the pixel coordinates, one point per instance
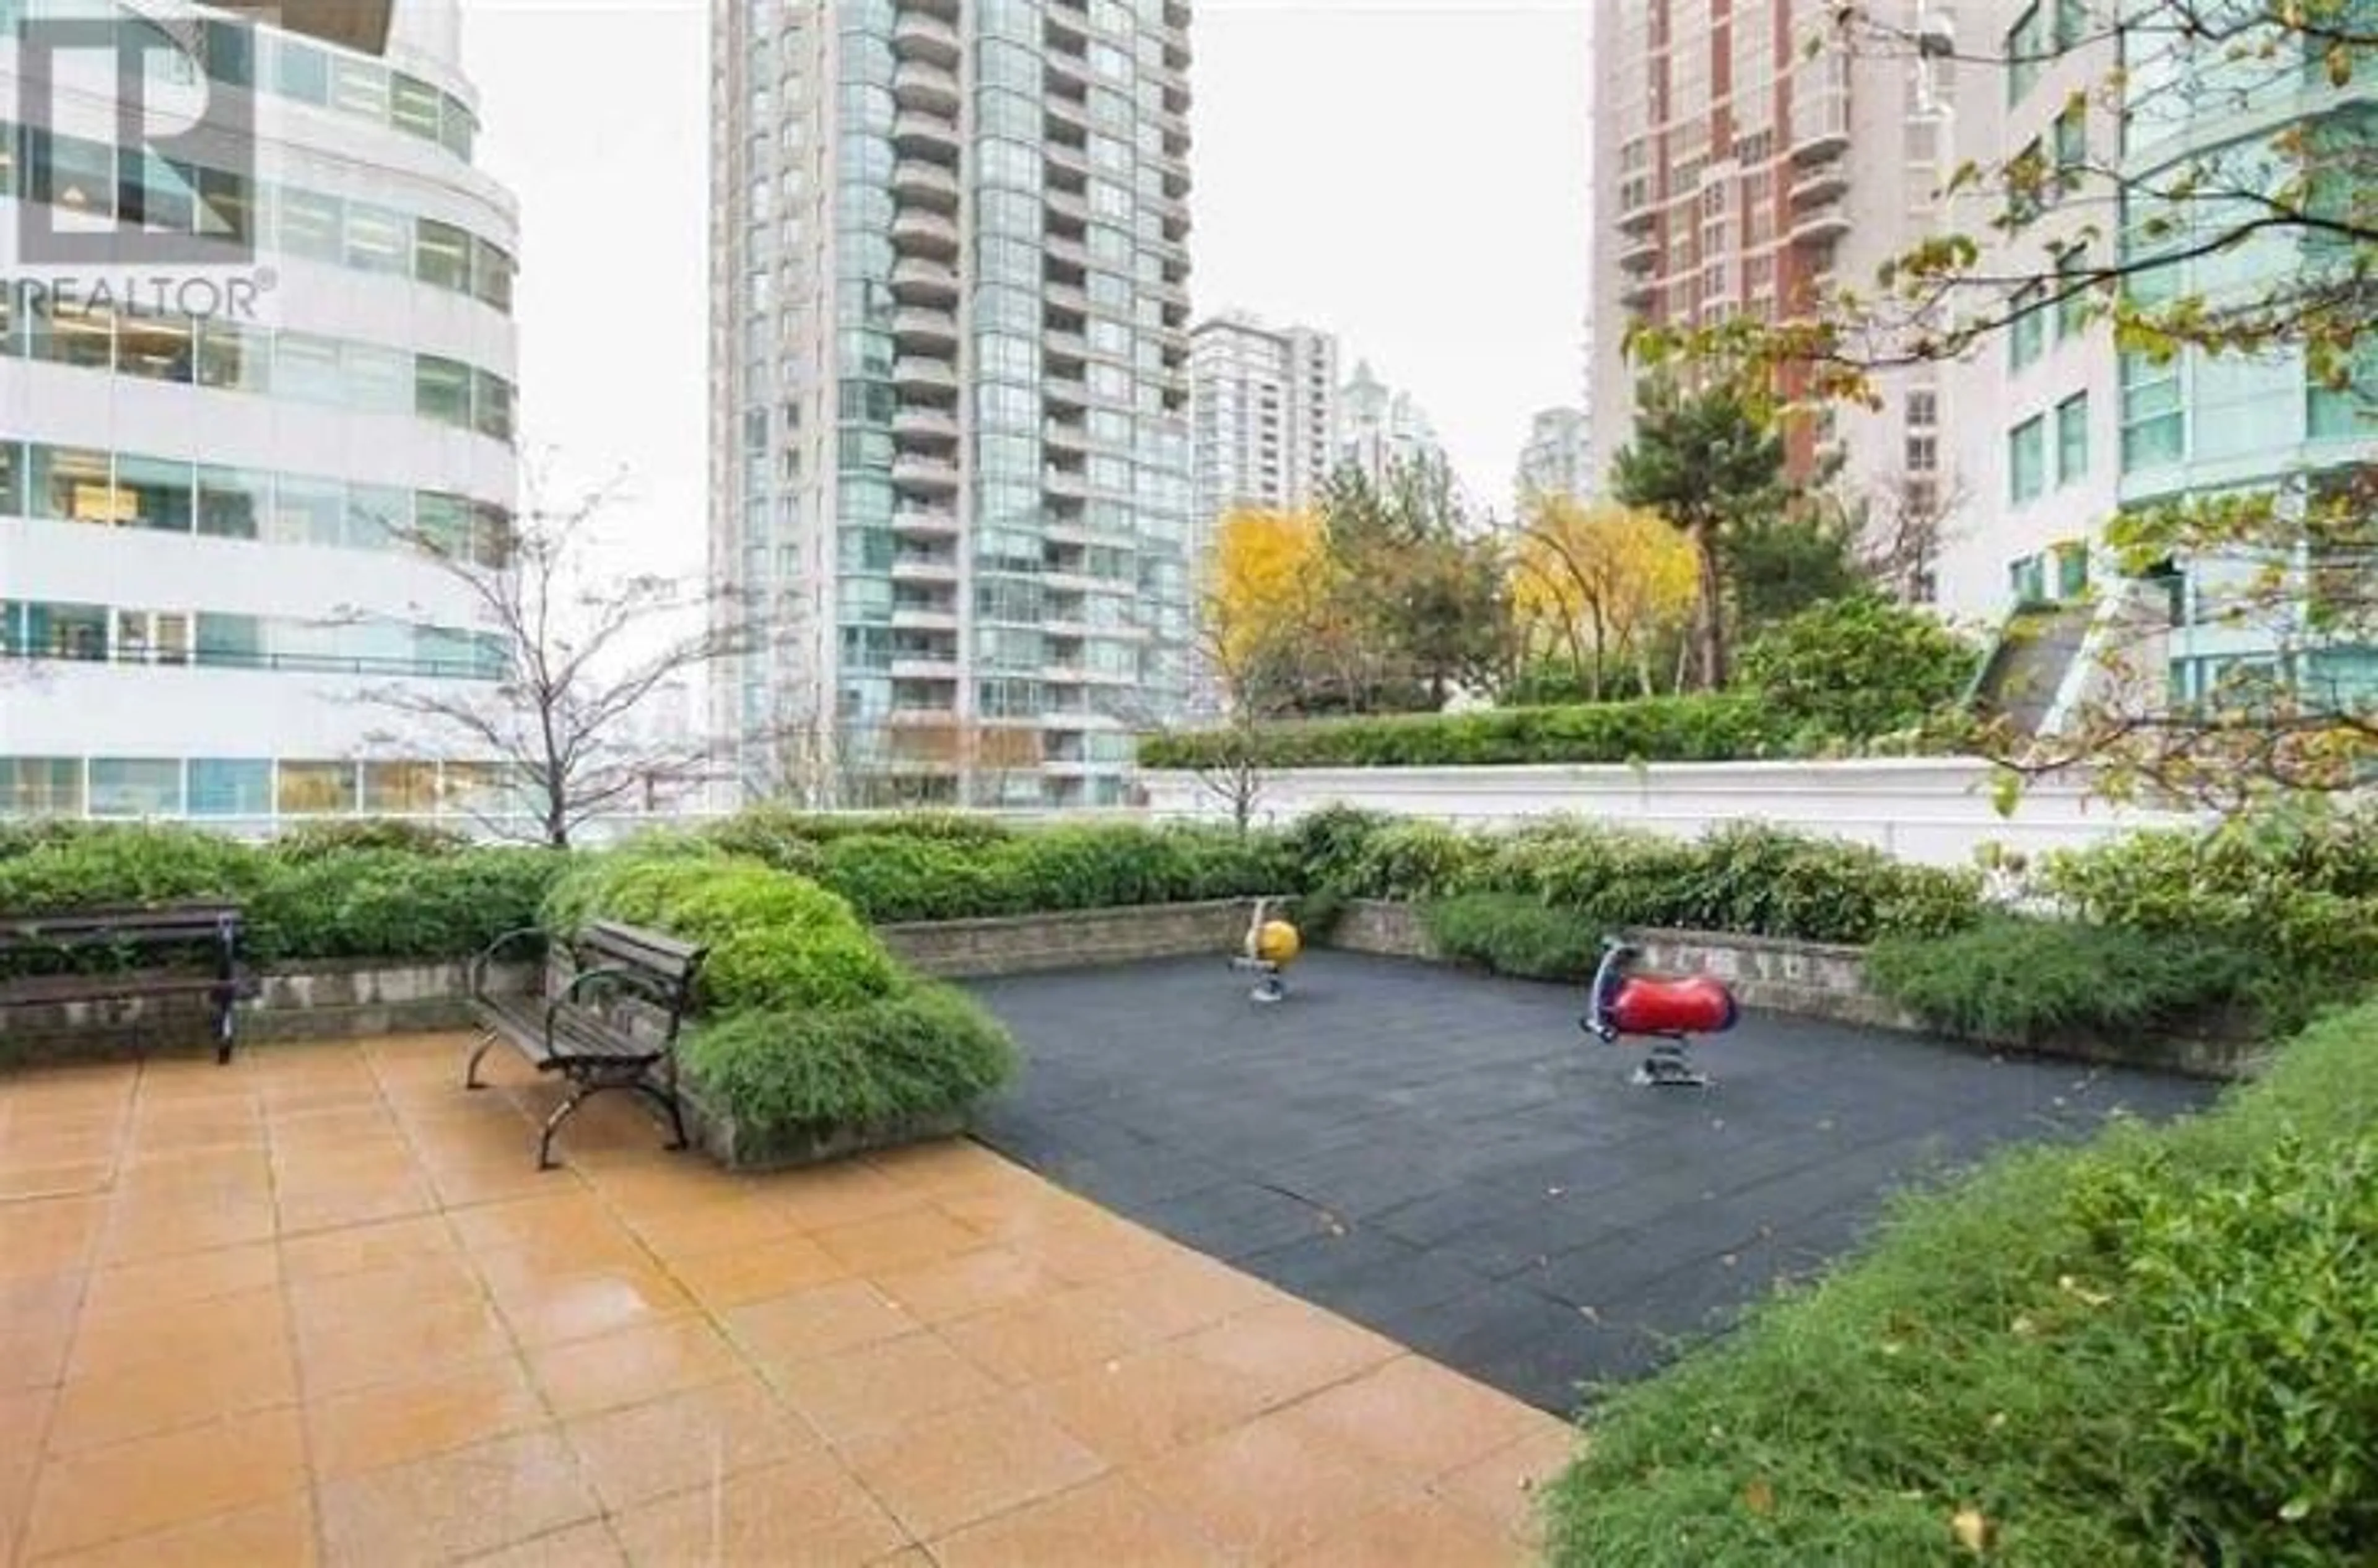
(214, 454)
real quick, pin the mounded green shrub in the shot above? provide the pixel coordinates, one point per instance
(1720, 727)
(2156, 1349)
(2024, 982)
(806, 1025)
(923, 1052)
(774, 940)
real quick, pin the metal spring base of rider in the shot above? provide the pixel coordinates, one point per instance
(1670, 1066)
(1269, 988)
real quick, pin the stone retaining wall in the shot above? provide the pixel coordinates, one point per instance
(1019, 944)
(328, 1000)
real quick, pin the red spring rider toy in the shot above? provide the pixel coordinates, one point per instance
(1666, 1010)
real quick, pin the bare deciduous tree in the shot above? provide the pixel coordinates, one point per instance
(583, 654)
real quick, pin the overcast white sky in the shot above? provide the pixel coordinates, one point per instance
(1412, 175)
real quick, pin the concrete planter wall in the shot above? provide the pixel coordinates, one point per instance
(1825, 980)
(1019, 944)
(332, 999)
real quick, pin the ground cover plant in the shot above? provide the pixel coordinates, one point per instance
(2160, 1348)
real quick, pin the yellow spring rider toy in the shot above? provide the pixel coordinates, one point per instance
(1271, 946)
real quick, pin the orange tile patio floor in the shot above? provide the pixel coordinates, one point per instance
(319, 1305)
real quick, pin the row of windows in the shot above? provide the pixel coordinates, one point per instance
(2028, 451)
(172, 495)
(239, 787)
(102, 634)
(93, 333)
(94, 180)
(2211, 408)
(265, 61)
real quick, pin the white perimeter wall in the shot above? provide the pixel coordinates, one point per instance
(1933, 811)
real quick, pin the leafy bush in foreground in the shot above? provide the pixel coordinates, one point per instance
(2024, 982)
(805, 1022)
(775, 941)
(2156, 1349)
(922, 1052)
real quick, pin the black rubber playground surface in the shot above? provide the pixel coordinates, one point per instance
(1447, 1159)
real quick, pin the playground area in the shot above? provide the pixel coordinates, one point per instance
(1447, 1159)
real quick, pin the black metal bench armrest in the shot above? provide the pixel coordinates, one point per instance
(486, 955)
(650, 989)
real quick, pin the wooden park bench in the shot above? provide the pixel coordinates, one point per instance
(575, 1030)
(129, 953)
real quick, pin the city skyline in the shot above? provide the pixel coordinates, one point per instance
(1447, 90)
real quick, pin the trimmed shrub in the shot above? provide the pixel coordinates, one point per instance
(891, 881)
(1415, 861)
(1328, 845)
(127, 865)
(1752, 881)
(2024, 982)
(1857, 667)
(2156, 1349)
(2296, 890)
(324, 901)
(924, 1052)
(806, 1023)
(1510, 934)
(312, 841)
(1724, 726)
(774, 940)
(395, 903)
(792, 840)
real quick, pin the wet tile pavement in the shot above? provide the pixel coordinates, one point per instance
(320, 1307)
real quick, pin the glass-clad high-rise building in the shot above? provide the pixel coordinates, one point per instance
(950, 442)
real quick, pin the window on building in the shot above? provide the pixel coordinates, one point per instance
(2025, 47)
(2155, 427)
(2072, 144)
(2073, 439)
(2027, 331)
(2071, 293)
(230, 787)
(2027, 460)
(2071, 571)
(314, 789)
(2027, 581)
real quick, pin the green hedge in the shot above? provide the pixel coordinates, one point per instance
(314, 899)
(2025, 982)
(2156, 1349)
(943, 874)
(1750, 880)
(1708, 729)
(806, 1023)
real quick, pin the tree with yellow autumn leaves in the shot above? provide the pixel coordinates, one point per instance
(1600, 588)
